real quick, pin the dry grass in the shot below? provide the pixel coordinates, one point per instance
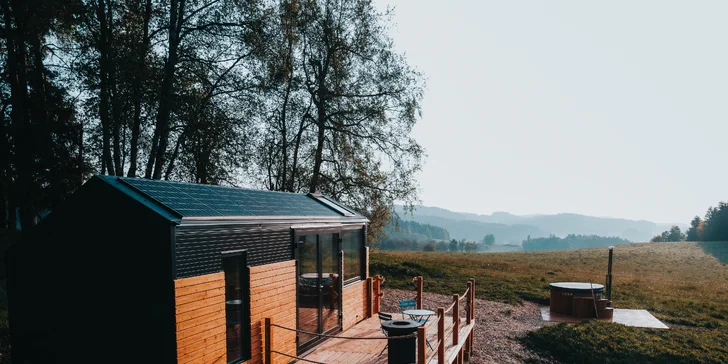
(682, 284)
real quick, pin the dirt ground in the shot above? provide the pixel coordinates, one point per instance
(498, 325)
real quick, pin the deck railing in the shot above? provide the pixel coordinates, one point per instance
(448, 336)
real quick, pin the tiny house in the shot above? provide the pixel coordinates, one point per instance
(145, 271)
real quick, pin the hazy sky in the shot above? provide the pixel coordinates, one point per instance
(613, 108)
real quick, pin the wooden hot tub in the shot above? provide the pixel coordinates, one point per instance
(563, 293)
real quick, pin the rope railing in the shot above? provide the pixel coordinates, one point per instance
(452, 305)
(465, 295)
(448, 336)
(345, 337)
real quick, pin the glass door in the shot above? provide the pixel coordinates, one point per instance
(318, 285)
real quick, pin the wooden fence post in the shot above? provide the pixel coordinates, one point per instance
(421, 339)
(268, 340)
(472, 299)
(418, 283)
(370, 298)
(441, 335)
(470, 303)
(377, 293)
(456, 320)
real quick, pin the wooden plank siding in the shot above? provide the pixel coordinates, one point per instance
(200, 319)
(355, 302)
(273, 294)
(200, 313)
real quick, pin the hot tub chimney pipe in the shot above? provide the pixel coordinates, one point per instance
(609, 276)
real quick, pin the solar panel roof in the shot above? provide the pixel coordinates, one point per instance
(198, 200)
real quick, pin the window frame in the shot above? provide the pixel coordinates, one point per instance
(241, 256)
(362, 253)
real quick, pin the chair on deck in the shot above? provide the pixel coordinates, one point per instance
(406, 305)
(384, 317)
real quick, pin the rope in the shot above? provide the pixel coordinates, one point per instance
(297, 357)
(594, 299)
(347, 337)
(450, 308)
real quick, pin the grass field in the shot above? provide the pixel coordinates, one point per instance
(683, 284)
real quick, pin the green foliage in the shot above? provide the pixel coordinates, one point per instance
(403, 229)
(714, 227)
(716, 223)
(695, 232)
(672, 235)
(570, 242)
(489, 240)
(683, 284)
(453, 245)
(429, 247)
(409, 235)
(605, 342)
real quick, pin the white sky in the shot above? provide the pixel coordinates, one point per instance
(613, 108)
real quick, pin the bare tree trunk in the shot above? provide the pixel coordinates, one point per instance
(20, 114)
(136, 92)
(296, 148)
(43, 124)
(175, 154)
(284, 122)
(81, 164)
(4, 170)
(318, 156)
(113, 91)
(161, 131)
(104, 107)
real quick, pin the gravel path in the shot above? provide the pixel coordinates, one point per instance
(498, 324)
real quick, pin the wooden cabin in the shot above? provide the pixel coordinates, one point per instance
(145, 271)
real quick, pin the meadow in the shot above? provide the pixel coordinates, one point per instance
(685, 285)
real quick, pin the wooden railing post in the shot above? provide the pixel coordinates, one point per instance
(418, 283)
(268, 341)
(421, 338)
(441, 335)
(370, 298)
(377, 293)
(456, 320)
(470, 303)
(472, 299)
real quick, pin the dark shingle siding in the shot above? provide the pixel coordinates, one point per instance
(198, 247)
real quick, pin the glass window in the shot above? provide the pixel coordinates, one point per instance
(237, 316)
(351, 244)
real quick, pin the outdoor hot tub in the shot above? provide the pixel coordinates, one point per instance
(563, 294)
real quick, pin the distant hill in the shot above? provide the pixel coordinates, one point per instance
(509, 228)
(413, 230)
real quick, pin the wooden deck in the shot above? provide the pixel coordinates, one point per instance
(351, 351)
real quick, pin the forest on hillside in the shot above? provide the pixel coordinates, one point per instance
(410, 229)
(409, 235)
(285, 95)
(571, 242)
(714, 227)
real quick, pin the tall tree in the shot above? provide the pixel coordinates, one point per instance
(42, 133)
(694, 233)
(716, 223)
(140, 64)
(346, 105)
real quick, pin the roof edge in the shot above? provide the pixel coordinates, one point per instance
(142, 198)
